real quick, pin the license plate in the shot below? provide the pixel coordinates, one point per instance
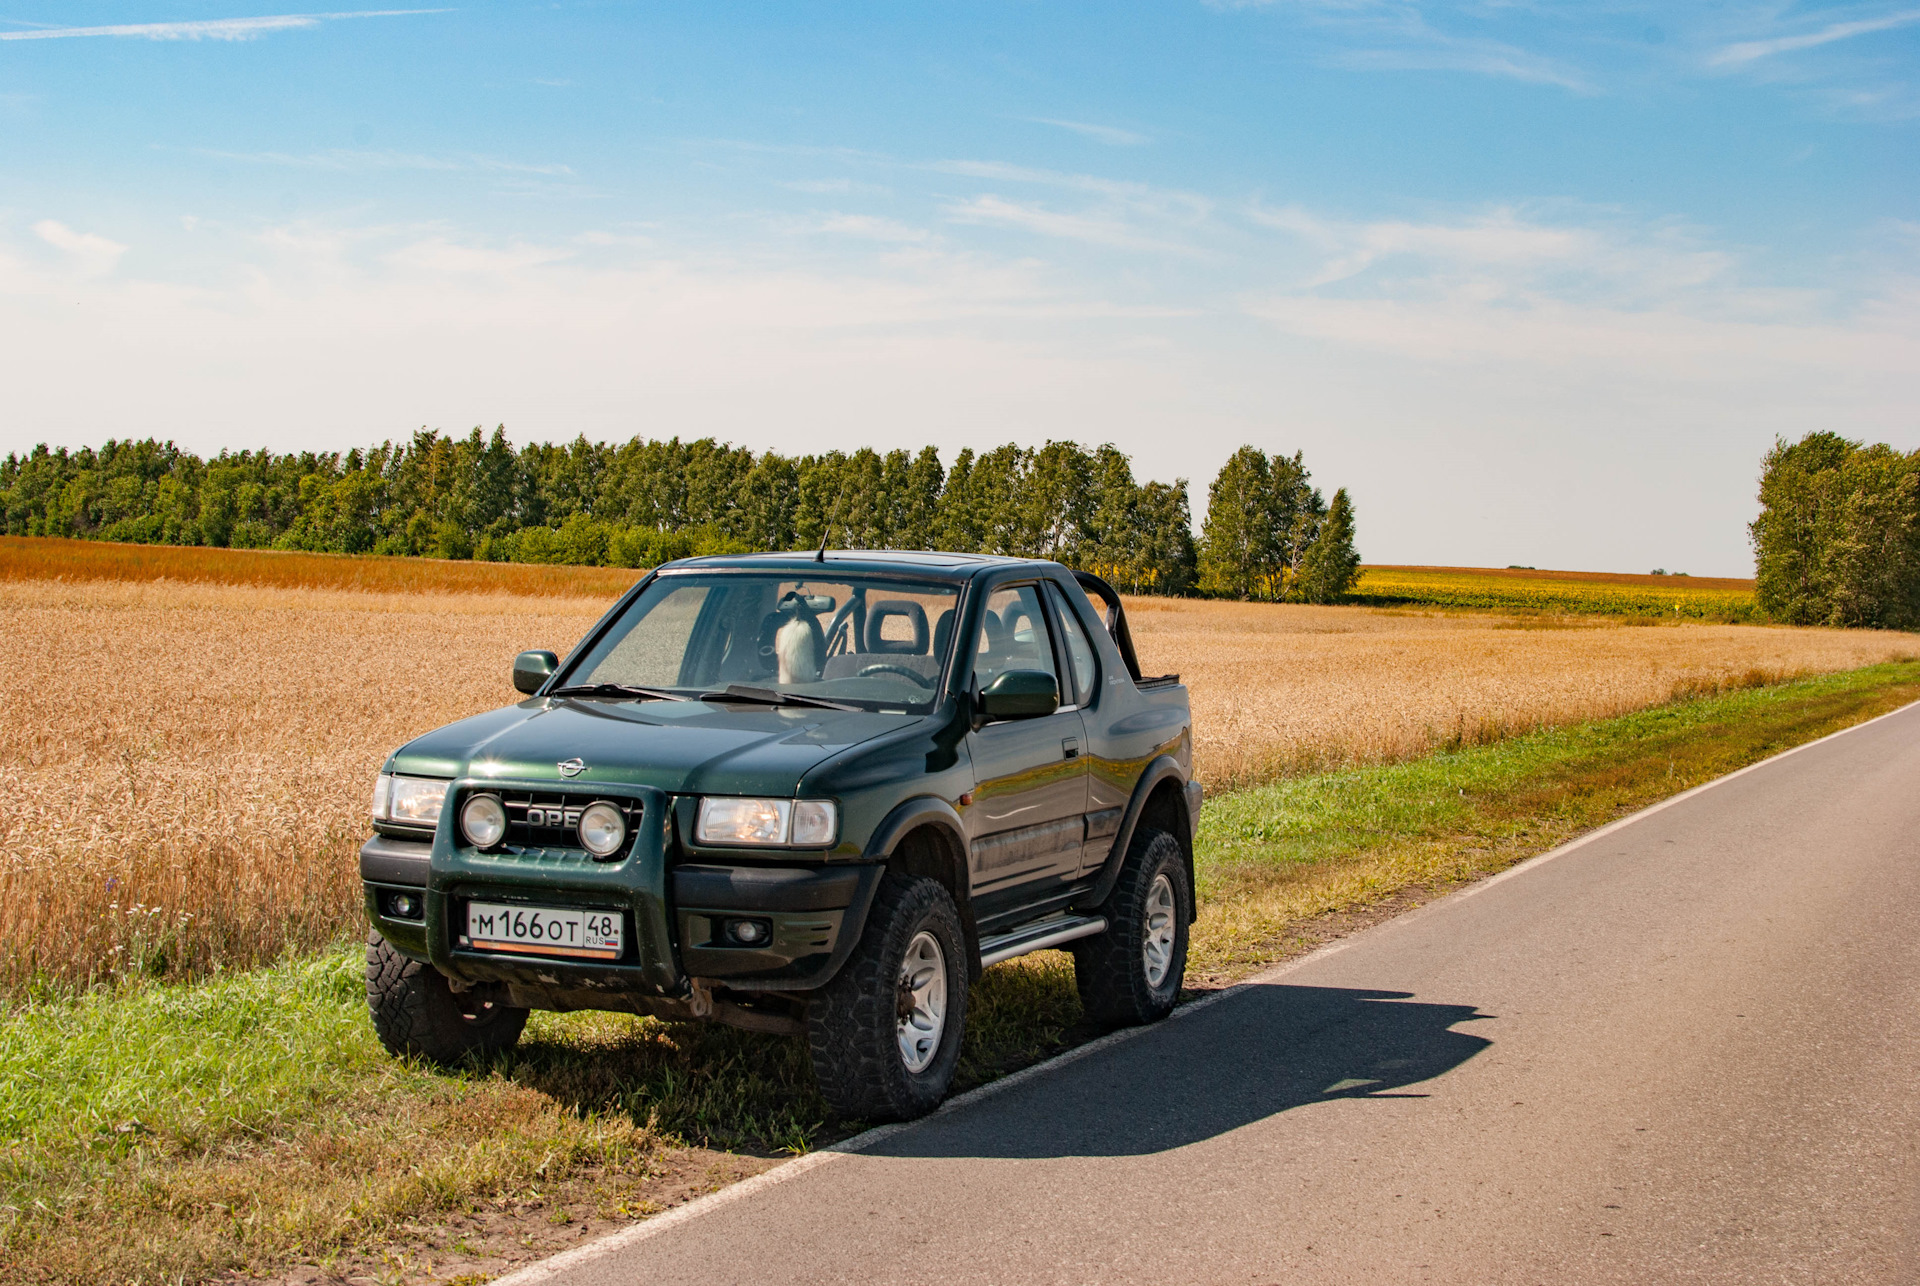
(545, 930)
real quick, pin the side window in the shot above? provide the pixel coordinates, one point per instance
(1078, 648)
(1013, 636)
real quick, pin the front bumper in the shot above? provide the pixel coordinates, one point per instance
(674, 915)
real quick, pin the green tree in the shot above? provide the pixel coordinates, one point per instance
(1164, 555)
(1056, 503)
(957, 521)
(995, 493)
(1239, 548)
(644, 500)
(1835, 541)
(1328, 567)
(917, 502)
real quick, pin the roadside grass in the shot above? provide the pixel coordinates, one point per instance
(176, 1132)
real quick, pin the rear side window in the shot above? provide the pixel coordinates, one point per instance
(1079, 650)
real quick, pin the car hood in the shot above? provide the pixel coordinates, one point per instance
(683, 747)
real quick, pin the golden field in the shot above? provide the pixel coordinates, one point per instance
(188, 763)
(188, 770)
(1279, 689)
(57, 559)
(1527, 590)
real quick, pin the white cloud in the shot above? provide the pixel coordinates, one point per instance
(822, 187)
(345, 159)
(1090, 229)
(872, 228)
(1656, 306)
(445, 255)
(1751, 50)
(209, 29)
(1480, 58)
(1548, 385)
(1502, 253)
(1399, 35)
(353, 332)
(1656, 347)
(92, 253)
(1123, 202)
(1108, 134)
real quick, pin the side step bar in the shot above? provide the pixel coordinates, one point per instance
(1038, 937)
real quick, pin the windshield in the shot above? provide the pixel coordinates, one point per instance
(875, 644)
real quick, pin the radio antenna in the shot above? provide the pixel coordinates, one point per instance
(826, 531)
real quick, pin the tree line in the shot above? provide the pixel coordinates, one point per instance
(1268, 534)
(1837, 541)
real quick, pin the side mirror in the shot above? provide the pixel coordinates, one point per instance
(531, 670)
(1020, 694)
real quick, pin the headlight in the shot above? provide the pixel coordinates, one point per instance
(483, 820)
(808, 822)
(602, 830)
(382, 788)
(415, 801)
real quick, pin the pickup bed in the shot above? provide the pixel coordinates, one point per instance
(798, 793)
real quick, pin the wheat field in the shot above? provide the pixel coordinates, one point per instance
(188, 772)
(1526, 590)
(188, 764)
(54, 558)
(1284, 689)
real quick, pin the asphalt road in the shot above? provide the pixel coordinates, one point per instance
(1687, 1050)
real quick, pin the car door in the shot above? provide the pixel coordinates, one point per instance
(1107, 783)
(1026, 825)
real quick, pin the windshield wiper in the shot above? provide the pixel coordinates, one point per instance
(767, 696)
(627, 690)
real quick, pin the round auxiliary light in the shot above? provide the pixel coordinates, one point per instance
(748, 932)
(483, 820)
(602, 830)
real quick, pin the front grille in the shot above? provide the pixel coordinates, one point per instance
(550, 819)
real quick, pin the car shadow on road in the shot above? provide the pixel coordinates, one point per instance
(1260, 1051)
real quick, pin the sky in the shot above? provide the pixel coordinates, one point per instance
(1537, 282)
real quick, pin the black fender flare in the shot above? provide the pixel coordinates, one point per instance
(1162, 769)
(914, 814)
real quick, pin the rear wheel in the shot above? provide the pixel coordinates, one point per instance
(416, 1013)
(1132, 973)
(885, 1033)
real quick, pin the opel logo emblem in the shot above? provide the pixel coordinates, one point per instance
(571, 767)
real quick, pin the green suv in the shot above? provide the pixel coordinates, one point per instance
(798, 793)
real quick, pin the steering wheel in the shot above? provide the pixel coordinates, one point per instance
(901, 670)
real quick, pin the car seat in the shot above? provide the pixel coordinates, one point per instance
(915, 616)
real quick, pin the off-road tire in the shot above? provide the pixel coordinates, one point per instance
(853, 1022)
(1110, 969)
(415, 1012)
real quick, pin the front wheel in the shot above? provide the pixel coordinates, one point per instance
(1131, 974)
(885, 1033)
(415, 1013)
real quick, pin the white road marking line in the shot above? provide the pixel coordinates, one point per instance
(547, 1269)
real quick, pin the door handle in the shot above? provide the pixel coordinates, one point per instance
(1070, 747)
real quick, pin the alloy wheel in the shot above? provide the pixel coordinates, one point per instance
(922, 1001)
(1157, 943)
